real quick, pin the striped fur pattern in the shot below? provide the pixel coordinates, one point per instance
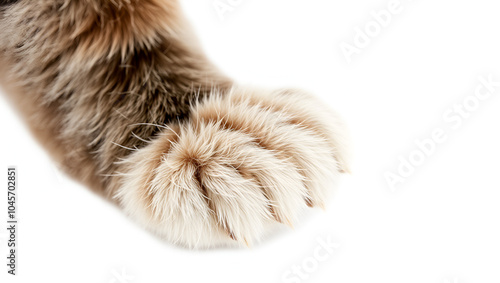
(124, 100)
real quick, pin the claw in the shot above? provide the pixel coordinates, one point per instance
(231, 234)
(309, 202)
(285, 221)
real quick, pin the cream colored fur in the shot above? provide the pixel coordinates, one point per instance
(239, 165)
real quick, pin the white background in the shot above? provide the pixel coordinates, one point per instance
(441, 225)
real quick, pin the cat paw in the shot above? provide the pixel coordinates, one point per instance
(242, 162)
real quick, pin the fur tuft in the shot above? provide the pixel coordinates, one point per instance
(240, 163)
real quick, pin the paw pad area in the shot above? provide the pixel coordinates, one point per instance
(241, 162)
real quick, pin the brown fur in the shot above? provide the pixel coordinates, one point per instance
(124, 100)
(94, 76)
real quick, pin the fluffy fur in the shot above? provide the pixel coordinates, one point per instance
(125, 101)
